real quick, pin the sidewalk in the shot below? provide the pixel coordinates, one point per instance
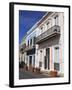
(24, 74)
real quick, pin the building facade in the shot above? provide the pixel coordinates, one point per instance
(22, 53)
(45, 43)
(50, 40)
(30, 47)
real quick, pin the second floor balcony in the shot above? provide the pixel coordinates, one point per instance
(28, 48)
(53, 31)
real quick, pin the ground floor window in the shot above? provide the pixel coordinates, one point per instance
(40, 64)
(56, 66)
(56, 58)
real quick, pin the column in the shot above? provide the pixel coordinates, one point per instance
(51, 58)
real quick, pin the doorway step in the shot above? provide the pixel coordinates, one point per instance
(50, 73)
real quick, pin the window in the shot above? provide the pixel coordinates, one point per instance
(56, 47)
(56, 55)
(56, 66)
(40, 64)
(56, 20)
(41, 28)
(56, 59)
(47, 23)
(30, 42)
(34, 38)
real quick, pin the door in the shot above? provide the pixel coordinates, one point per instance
(47, 59)
(30, 60)
(34, 60)
(45, 62)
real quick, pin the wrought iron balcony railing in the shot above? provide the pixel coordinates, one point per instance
(29, 48)
(53, 31)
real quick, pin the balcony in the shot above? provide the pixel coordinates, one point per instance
(53, 31)
(28, 48)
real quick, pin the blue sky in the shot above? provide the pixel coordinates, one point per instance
(26, 20)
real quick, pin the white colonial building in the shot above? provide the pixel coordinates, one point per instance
(31, 46)
(50, 40)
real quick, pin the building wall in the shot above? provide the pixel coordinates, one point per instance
(30, 36)
(61, 42)
(53, 42)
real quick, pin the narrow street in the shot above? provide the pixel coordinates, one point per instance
(23, 74)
